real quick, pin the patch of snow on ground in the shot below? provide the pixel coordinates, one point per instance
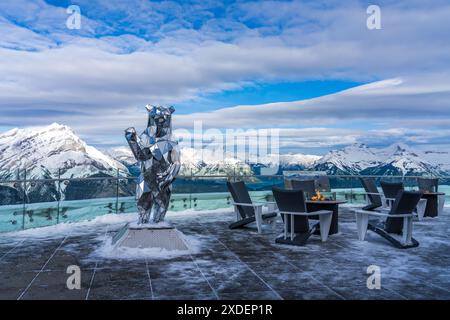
(84, 227)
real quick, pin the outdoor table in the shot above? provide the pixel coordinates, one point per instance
(332, 205)
(435, 203)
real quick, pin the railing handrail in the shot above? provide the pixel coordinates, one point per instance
(127, 177)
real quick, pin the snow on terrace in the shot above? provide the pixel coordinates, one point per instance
(223, 263)
(110, 221)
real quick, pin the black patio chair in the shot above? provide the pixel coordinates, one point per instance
(391, 190)
(292, 208)
(398, 221)
(287, 183)
(323, 184)
(428, 184)
(436, 202)
(308, 186)
(373, 195)
(247, 211)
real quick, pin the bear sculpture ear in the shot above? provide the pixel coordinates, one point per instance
(171, 109)
(149, 107)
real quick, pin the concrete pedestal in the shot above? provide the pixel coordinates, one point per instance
(147, 236)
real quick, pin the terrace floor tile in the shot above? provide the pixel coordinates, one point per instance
(230, 264)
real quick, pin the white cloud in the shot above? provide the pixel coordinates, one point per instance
(127, 55)
(389, 101)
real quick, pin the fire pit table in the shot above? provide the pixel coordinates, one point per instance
(435, 203)
(332, 205)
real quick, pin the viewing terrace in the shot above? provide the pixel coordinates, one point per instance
(222, 263)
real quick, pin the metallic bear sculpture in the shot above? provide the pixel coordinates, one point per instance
(159, 160)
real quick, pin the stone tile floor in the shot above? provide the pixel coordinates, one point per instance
(230, 264)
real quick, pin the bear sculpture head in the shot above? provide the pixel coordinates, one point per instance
(159, 121)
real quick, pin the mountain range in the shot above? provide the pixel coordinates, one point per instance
(397, 159)
(357, 159)
(43, 151)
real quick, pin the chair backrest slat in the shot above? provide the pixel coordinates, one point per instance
(323, 183)
(240, 194)
(405, 203)
(373, 194)
(391, 189)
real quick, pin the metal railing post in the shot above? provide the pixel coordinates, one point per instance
(59, 195)
(191, 189)
(117, 192)
(24, 211)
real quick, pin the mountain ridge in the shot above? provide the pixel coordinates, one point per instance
(42, 150)
(396, 159)
(48, 153)
(51, 148)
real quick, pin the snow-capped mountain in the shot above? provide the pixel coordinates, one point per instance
(289, 161)
(203, 163)
(121, 154)
(210, 162)
(297, 159)
(42, 151)
(349, 160)
(39, 153)
(397, 159)
(277, 163)
(441, 159)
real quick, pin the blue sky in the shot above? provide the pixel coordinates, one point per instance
(260, 93)
(310, 68)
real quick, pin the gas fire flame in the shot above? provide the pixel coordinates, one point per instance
(318, 196)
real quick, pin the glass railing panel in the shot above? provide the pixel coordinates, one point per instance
(126, 201)
(340, 188)
(444, 186)
(410, 183)
(391, 179)
(260, 187)
(263, 183)
(12, 175)
(11, 193)
(84, 199)
(41, 205)
(181, 194)
(359, 191)
(358, 194)
(204, 193)
(11, 206)
(87, 198)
